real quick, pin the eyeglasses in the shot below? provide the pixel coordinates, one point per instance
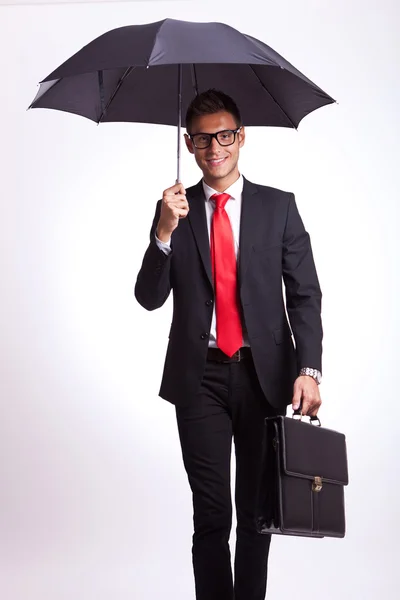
(224, 138)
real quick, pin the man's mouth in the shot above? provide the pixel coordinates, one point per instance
(216, 162)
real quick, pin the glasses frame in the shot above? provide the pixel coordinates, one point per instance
(215, 135)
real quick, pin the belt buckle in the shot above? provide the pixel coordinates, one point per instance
(237, 356)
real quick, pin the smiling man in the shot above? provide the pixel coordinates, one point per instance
(223, 247)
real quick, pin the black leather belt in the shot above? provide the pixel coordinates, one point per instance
(216, 355)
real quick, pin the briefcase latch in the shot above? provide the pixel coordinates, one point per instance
(317, 484)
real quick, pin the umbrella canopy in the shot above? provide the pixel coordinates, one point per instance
(150, 73)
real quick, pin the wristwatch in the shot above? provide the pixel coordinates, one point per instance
(314, 373)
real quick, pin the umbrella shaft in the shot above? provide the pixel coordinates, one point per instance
(178, 179)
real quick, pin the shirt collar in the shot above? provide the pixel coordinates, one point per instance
(235, 190)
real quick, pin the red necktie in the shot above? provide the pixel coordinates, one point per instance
(223, 260)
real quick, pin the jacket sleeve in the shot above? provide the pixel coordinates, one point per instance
(303, 293)
(153, 281)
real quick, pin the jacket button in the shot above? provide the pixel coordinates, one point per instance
(204, 336)
(209, 302)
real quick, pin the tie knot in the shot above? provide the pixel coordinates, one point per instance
(220, 200)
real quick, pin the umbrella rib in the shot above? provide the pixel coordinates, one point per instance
(194, 79)
(101, 87)
(40, 94)
(271, 96)
(115, 92)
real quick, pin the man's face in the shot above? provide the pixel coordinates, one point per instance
(218, 163)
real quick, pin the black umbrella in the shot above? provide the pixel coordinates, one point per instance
(150, 73)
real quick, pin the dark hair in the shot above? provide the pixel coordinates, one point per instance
(210, 102)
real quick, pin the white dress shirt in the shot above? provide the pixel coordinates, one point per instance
(233, 208)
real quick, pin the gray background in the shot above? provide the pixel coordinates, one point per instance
(94, 502)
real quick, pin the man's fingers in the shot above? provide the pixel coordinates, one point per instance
(314, 408)
(178, 188)
(180, 212)
(174, 198)
(181, 204)
(179, 207)
(311, 406)
(175, 207)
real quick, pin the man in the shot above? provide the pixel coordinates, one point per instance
(223, 247)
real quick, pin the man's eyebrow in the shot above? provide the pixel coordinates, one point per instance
(212, 132)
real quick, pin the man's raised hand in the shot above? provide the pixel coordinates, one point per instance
(174, 206)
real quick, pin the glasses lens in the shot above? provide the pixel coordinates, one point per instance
(201, 140)
(226, 138)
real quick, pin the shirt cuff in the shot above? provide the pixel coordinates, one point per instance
(164, 246)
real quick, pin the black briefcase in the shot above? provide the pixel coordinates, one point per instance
(301, 486)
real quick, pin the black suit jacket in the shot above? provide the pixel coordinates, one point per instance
(273, 246)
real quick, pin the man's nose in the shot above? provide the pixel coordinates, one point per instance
(214, 144)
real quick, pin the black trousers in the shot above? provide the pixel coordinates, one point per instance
(230, 405)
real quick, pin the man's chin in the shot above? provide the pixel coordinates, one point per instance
(216, 173)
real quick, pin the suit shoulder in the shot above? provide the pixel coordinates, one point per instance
(273, 192)
(270, 196)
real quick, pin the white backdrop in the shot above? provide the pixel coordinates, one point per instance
(94, 502)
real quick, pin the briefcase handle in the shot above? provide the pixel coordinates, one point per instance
(297, 415)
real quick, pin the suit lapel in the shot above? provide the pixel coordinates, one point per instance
(250, 225)
(198, 222)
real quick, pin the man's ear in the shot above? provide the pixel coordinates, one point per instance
(189, 144)
(242, 137)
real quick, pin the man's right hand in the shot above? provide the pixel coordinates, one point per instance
(174, 206)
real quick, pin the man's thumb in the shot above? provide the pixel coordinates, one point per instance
(296, 400)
